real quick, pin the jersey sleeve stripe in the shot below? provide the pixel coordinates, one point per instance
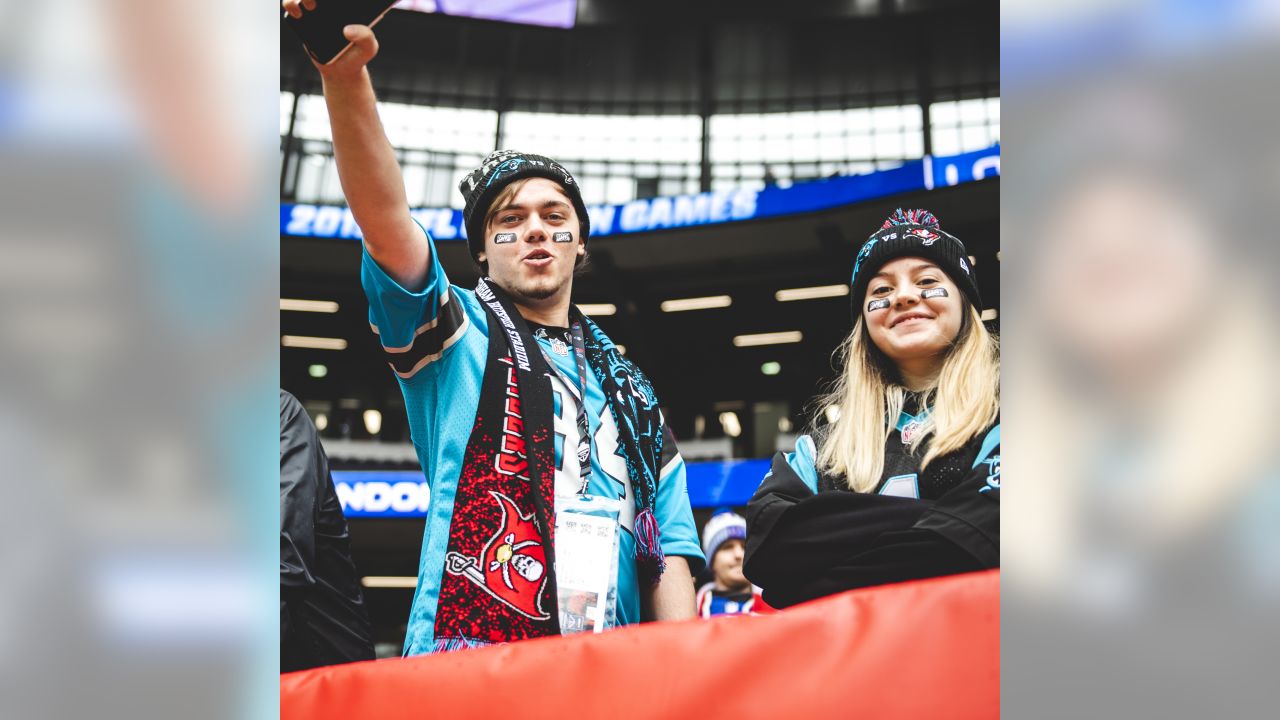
(670, 451)
(429, 347)
(671, 466)
(447, 312)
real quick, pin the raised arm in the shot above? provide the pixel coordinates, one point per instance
(367, 165)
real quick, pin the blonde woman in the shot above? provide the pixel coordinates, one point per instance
(905, 482)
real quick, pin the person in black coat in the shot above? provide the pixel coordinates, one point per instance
(323, 618)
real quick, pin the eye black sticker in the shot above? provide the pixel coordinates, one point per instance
(504, 238)
(562, 237)
(880, 304)
(935, 292)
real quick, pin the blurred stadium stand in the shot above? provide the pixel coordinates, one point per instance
(642, 100)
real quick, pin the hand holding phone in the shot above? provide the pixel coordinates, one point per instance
(336, 33)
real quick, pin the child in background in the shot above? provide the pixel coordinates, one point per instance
(729, 592)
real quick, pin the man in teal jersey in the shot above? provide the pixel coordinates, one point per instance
(519, 407)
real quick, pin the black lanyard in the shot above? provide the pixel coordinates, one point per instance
(579, 390)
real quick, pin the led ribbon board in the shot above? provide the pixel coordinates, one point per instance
(709, 208)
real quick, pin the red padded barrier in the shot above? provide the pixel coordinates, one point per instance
(925, 649)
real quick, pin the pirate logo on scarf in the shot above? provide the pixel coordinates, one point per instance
(513, 564)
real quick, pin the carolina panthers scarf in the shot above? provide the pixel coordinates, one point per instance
(499, 577)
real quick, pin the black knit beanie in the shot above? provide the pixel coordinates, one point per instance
(500, 169)
(914, 233)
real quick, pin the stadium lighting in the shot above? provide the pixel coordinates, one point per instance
(389, 581)
(698, 303)
(622, 349)
(832, 413)
(729, 421)
(314, 343)
(990, 314)
(771, 368)
(372, 421)
(773, 338)
(320, 306)
(598, 308)
(322, 421)
(811, 293)
(317, 370)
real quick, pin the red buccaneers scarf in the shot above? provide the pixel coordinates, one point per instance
(499, 577)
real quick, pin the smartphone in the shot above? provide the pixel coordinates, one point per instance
(321, 29)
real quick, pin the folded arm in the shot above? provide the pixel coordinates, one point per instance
(803, 545)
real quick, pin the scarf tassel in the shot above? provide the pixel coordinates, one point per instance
(450, 644)
(649, 544)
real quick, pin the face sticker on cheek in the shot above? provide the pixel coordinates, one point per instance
(934, 292)
(504, 238)
(565, 237)
(880, 304)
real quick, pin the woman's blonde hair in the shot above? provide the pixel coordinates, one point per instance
(868, 398)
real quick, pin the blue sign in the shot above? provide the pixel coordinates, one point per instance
(382, 493)
(721, 484)
(405, 493)
(661, 213)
